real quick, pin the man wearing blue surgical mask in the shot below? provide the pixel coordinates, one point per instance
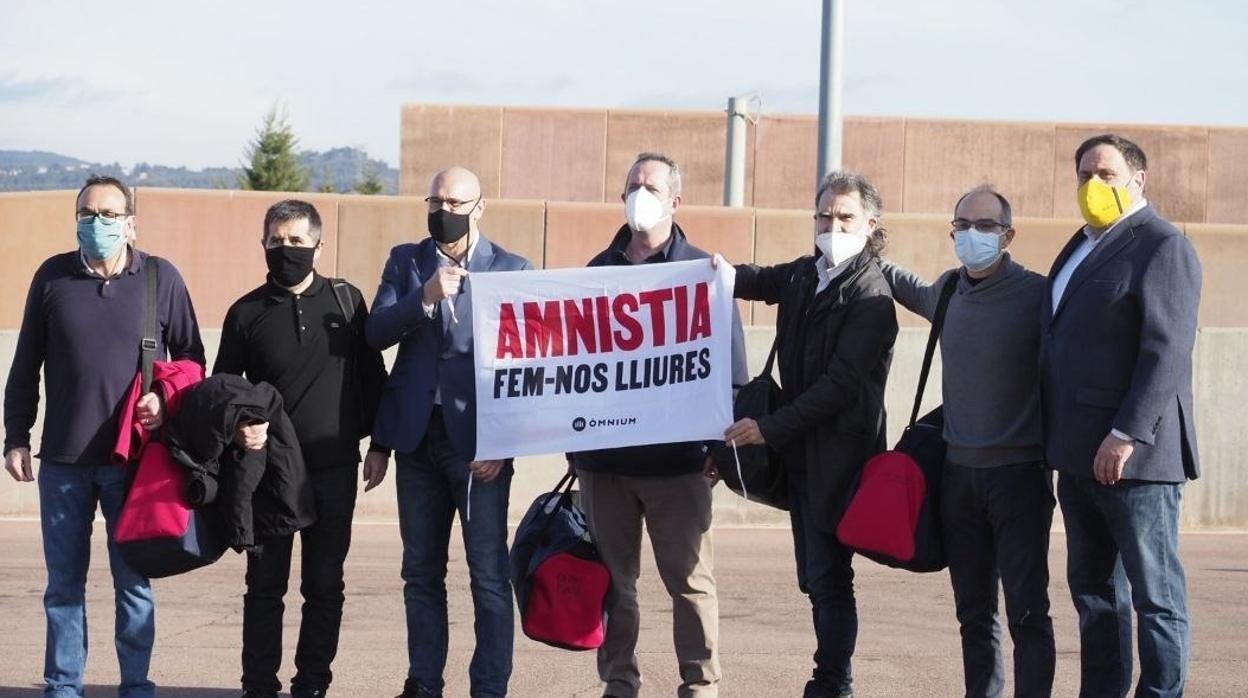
(84, 327)
(996, 498)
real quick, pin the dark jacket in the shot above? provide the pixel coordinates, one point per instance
(660, 459)
(435, 354)
(259, 494)
(834, 354)
(1117, 353)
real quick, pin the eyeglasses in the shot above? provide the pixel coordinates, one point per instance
(986, 225)
(829, 217)
(436, 202)
(84, 213)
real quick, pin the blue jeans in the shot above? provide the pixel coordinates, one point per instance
(825, 575)
(68, 495)
(432, 484)
(995, 524)
(1127, 530)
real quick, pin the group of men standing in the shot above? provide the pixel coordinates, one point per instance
(1086, 372)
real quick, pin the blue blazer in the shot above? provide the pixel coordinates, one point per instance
(434, 353)
(1117, 354)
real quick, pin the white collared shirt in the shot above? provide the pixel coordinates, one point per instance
(829, 274)
(445, 260)
(1085, 248)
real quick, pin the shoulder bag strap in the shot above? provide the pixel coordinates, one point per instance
(147, 348)
(938, 323)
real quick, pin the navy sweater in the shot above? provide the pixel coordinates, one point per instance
(84, 332)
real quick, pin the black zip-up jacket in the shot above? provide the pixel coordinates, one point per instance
(259, 493)
(653, 460)
(834, 353)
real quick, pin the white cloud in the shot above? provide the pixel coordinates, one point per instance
(181, 83)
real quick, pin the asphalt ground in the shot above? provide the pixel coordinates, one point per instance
(907, 642)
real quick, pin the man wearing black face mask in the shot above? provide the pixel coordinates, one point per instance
(304, 334)
(428, 416)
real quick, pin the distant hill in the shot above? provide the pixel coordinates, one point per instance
(32, 170)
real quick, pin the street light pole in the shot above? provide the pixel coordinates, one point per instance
(734, 157)
(831, 88)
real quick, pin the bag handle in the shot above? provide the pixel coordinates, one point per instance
(938, 324)
(147, 347)
(564, 487)
(555, 496)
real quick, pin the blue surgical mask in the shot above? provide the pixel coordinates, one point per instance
(975, 249)
(101, 238)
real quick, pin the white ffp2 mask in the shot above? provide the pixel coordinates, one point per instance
(838, 247)
(643, 210)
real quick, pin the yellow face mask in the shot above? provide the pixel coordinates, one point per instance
(1102, 204)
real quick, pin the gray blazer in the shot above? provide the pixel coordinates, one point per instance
(1117, 353)
(434, 353)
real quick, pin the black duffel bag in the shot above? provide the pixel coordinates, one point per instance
(755, 472)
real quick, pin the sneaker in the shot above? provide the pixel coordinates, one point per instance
(414, 689)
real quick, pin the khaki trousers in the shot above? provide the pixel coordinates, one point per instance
(677, 513)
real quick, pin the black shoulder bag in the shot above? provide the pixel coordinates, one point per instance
(755, 472)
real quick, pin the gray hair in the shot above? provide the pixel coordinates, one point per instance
(849, 182)
(1007, 212)
(673, 177)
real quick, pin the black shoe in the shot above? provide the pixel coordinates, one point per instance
(414, 689)
(259, 694)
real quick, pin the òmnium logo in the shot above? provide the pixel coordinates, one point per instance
(580, 423)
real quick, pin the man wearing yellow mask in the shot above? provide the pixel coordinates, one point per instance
(1116, 388)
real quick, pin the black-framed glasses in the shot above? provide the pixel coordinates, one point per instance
(84, 213)
(986, 225)
(437, 202)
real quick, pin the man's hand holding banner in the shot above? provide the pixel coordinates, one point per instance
(582, 359)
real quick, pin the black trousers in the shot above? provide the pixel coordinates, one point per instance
(996, 533)
(324, 550)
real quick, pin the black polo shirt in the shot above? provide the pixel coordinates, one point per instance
(301, 344)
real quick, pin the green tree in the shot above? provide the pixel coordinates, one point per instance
(371, 183)
(327, 185)
(273, 165)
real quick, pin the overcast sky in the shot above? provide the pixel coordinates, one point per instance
(182, 83)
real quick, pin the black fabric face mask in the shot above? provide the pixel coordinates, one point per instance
(447, 227)
(288, 266)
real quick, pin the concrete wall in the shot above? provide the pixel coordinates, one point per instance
(213, 238)
(1196, 174)
(1218, 500)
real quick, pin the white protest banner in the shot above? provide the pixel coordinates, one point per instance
(601, 357)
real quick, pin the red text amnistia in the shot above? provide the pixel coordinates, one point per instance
(600, 324)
